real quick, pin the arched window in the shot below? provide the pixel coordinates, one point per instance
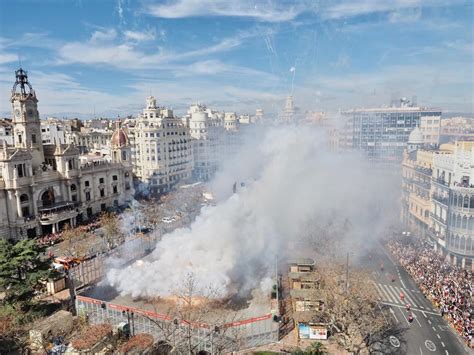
(24, 198)
(48, 197)
(73, 187)
(466, 202)
(472, 202)
(464, 222)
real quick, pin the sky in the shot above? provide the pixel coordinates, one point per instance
(92, 58)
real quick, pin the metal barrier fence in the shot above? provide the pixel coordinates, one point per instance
(91, 271)
(182, 335)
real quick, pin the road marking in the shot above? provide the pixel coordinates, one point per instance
(424, 315)
(438, 336)
(389, 295)
(430, 345)
(392, 293)
(434, 329)
(447, 353)
(428, 321)
(443, 344)
(413, 309)
(416, 318)
(404, 316)
(403, 284)
(421, 351)
(382, 292)
(408, 297)
(394, 341)
(394, 316)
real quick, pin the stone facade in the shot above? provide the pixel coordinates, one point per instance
(44, 187)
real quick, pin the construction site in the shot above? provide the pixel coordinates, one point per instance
(183, 323)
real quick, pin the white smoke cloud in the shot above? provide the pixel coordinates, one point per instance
(290, 178)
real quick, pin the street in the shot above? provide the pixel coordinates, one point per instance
(428, 333)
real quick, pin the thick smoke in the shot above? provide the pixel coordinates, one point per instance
(289, 178)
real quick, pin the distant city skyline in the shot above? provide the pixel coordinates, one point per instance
(106, 57)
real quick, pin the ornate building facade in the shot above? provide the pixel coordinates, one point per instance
(44, 187)
(162, 148)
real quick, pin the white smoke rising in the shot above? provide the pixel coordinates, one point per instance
(290, 178)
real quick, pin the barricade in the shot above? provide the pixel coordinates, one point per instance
(237, 335)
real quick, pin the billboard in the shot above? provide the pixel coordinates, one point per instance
(312, 331)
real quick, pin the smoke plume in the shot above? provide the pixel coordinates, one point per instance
(285, 177)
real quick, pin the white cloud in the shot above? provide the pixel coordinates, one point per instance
(269, 11)
(101, 50)
(140, 36)
(7, 58)
(104, 35)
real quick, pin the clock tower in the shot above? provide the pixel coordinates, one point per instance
(26, 121)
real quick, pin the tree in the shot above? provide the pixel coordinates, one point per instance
(192, 309)
(74, 244)
(113, 235)
(23, 271)
(353, 315)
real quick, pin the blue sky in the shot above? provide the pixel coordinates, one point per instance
(106, 56)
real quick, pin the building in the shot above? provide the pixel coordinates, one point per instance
(381, 134)
(6, 131)
(162, 148)
(452, 217)
(207, 136)
(43, 186)
(91, 139)
(417, 167)
(457, 128)
(55, 131)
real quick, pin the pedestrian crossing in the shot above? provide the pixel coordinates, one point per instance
(391, 294)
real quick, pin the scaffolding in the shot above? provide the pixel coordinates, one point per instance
(237, 335)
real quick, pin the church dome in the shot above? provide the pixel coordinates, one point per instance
(416, 137)
(119, 138)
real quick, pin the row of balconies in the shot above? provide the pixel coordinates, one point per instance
(440, 199)
(438, 218)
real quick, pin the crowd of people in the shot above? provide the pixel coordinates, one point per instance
(450, 288)
(53, 238)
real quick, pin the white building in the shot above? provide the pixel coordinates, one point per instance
(452, 192)
(6, 132)
(162, 148)
(207, 136)
(55, 131)
(44, 187)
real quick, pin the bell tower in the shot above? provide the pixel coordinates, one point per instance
(26, 121)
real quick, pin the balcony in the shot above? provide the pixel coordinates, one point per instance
(437, 218)
(58, 212)
(440, 182)
(424, 171)
(440, 199)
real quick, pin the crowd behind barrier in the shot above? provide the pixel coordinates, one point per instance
(448, 287)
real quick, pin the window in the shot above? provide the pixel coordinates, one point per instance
(20, 140)
(102, 192)
(88, 195)
(115, 189)
(33, 138)
(127, 186)
(86, 184)
(101, 180)
(73, 187)
(25, 211)
(114, 177)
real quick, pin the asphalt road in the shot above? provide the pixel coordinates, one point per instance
(429, 333)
